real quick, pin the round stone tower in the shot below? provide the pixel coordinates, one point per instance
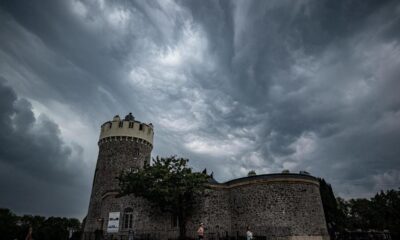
(123, 144)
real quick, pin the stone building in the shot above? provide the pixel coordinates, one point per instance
(275, 206)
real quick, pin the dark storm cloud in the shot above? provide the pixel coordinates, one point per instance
(70, 70)
(258, 40)
(232, 85)
(305, 65)
(38, 172)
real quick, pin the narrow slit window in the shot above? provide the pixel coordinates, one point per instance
(121, 124)
(136, 152)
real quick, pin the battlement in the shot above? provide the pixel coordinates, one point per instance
(127, 127)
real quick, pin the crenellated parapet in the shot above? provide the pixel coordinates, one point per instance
(127, 129)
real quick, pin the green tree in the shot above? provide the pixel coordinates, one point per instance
(385, 212)
(169, 184)
(8, 224)
(360, 214)
(380, 213)
(344, 211)
(335, 217)
(17, 227)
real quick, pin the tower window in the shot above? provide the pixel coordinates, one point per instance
(130, 124)
(141, 127)
(110, 125)
(121, 124)
(136, 152)
(128, 218)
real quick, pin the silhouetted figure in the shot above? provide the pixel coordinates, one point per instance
(129, 117)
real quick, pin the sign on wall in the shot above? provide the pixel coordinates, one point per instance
(113, 222)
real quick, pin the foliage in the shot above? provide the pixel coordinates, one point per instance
(381, 212)
(251, 173)
(16, 227)
(8, 224)
(169, 184)
(334, 216)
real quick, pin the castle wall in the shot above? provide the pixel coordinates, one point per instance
(278, 208)
(145, 218)
(213, 209)
(115, 154)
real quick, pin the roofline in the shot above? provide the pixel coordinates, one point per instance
(268, 178)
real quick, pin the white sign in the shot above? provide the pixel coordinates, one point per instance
(113, 222)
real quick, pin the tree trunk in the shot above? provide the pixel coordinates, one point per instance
(182, 225)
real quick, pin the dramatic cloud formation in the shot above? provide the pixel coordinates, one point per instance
(38, 172)
(233, 85)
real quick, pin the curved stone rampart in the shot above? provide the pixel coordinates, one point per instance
(279, 206)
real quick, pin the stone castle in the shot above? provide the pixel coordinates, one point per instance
(275, 206)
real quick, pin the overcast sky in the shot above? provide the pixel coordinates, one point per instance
(232, 85)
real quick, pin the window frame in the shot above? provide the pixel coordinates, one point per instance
(128, 218)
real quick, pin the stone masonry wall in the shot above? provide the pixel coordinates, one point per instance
(115, 155)
(214, 211)
(278, 206)
(287, 208)
(278, 209)
(145, 218)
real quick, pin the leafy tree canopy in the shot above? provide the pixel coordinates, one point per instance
(169, 184)
(381, 212)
